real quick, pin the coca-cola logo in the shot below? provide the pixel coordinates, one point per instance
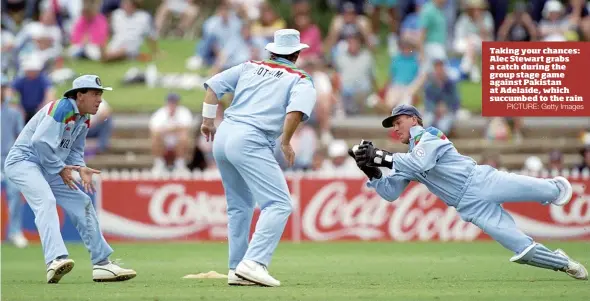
(578, 209)
(329, 215)
(174, 214)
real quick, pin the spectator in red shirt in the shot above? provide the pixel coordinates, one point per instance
(310, 35)
(90, 33)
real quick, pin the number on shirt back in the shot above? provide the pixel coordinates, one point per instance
(265, 72)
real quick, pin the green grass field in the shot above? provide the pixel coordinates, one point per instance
(314, 271)
(138, 98)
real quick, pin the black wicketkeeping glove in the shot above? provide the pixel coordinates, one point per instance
(371, 172)
(368, 155)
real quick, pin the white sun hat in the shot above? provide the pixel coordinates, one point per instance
(286, 41)
(87, 82)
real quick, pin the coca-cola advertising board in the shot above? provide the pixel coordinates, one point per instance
(168, 210)
(325, 209)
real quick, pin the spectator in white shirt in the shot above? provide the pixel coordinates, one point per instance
(43, 38)
(130, 25)
(170, 130)
(340, 162)
(186, 9)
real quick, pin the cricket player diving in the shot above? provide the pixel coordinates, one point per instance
(270, 98)
(476, 191)
(40, 164)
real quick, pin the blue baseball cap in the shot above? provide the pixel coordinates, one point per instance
(173, 97)
(408, 110)
(87, 82)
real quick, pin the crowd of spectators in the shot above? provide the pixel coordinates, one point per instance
(431, 46)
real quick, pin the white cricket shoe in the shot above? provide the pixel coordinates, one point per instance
(255, 272)
(19, 241)
(111, 272)
(574, 269)
(233, 279)
(565, 191)
(58, 268)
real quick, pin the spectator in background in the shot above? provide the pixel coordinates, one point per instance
(474, 26)
(10, 7)
(90, 33)
(322, 114)
(556, 160)
(269, 22)
(101, 127)
(218, 30)
(44, 38)
(310, 35)
(394, 17)
(339, 162)
(65, 12)
(304, 143)
(434, 31)
(169, 130)
(411, 29)
(319, 161)
(404, 77)
(356, 70)
(585, 153)
(109, 6)
(130, 25)
(187, 10)
(34, 87)
(247, 9)
(345, 25)
(518, 26)
(554, 27)
(441, 99)
(7, 40)
(239, 50)
(577, 11)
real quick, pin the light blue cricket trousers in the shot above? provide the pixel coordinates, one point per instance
(42, 193)
(250, 172)
(488, 189)
(15, 206)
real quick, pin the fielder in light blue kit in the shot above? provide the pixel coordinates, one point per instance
(270, 98)
(40, 164)
(476, 191)
(12, 125)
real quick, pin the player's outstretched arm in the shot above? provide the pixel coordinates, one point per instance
(423, 157)
(46, 140)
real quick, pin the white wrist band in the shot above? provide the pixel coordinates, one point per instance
(209, 111)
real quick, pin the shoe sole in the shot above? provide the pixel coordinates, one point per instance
(243, 284)
(117, 278)
(61, 271)
(253, 281)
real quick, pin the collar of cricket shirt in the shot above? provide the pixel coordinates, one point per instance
(415, 135)
(76, 110)
(283, 61)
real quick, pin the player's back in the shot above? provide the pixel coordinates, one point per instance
(452, 170)
(263, 92)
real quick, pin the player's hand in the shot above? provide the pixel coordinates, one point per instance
(86, 174)
(208, 129)
(289, 154)
(66, 175)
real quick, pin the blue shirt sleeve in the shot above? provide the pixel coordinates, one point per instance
(302, 98)
(45, 142)
(76, 156)
(390, 187)
(225, 82)
(46, 82)
(423, 157)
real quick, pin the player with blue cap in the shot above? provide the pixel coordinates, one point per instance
(477, 192)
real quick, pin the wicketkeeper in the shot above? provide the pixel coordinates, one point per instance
(476, 191)
(40, 164)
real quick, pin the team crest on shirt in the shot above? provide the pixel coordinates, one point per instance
(420, 152)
